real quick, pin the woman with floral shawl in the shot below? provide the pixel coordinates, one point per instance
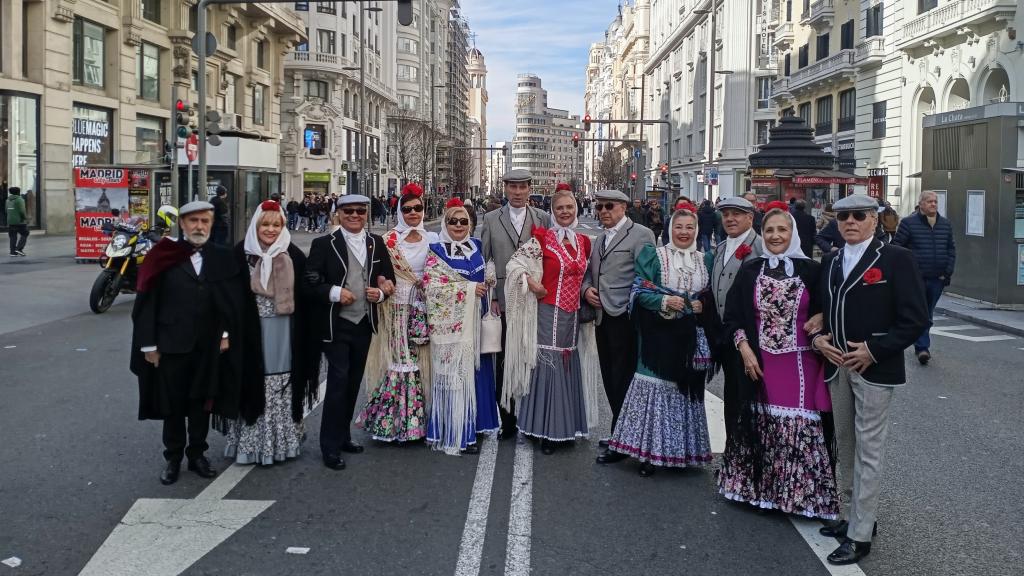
(399, 358)
(455, 284)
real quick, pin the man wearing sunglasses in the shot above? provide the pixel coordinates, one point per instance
(350, 274)
(874, 307)
(502, 232)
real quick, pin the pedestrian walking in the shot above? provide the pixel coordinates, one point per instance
(829, 239)
(221, 217)
(293, 215)
(655, 219)
(778, 458)
(888, 222)
(805, 227)
(929, 236)
(606, 287)
(758, 213)
(187, 340)
(663, 421)
(350, 276)
(874, 308)
(17, 221)
(708, 222)
(284, 358)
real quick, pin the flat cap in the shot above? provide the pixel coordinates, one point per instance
(194, 206)
(736, 203)
(615, 195)
(518, 175)
(351, 199)
(856, 203)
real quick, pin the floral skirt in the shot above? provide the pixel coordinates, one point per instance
(396, 411)
(796, 473)
(274, 437)
(660, 425)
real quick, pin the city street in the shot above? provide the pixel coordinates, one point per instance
(79, 489)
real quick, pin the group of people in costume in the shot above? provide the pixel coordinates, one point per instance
(515, 326)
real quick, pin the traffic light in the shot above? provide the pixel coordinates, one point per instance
(576, 140)
(212, 121)
(182, 118)
(664, 171)
(586, 123)
(405, 12)
(632, 176)
(168, 151)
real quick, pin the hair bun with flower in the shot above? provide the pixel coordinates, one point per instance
(777, 204)
(270, 205)
(454, 203)
(412, 188)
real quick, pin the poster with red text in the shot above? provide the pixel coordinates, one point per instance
(98, 192)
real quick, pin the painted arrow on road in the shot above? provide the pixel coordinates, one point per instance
(163, 537)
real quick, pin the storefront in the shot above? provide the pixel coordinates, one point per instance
(316, 183)
(92, 136)
(792, 165)
(19, 152)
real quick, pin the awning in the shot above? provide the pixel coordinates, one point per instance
(1015, 170)
(914, 175)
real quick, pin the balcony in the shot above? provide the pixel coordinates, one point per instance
(784, 36)
(870, 52)
(839, 65)
(959, 17)
(821, 15)
(780, 90)
(326, 59)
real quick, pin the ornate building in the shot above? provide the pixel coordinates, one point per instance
(543, 142)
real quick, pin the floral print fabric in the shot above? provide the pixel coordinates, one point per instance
(778, 301)
(275, 437)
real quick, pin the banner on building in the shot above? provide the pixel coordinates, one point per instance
(107, 195)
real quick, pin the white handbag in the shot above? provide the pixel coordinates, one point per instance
(490, 331)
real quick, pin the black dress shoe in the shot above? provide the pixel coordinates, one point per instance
(334, 462)
(610, 457)
(647, 469)
(471, 449)
(170, 474)
(838, 528)
(603, 442)
(201, 466)
(547, 447)
(923, 357)
(351, 448)
(507, 433)
(849, 552)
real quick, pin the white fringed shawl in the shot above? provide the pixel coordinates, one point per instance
(593, 384)
(521, 322)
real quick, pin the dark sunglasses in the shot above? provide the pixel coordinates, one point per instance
(413, 208)
(606, 206)
(351, 211)
(858, 216)
(458, 221)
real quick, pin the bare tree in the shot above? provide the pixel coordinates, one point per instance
(609, 173)
(462, 169)
(410, 138)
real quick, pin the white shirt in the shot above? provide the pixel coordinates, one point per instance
(357, 247)
(518, 217)
(852, 254)
(609, 233)
(731, 244)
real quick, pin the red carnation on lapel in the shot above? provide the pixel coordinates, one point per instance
(743, 251)
(872, 275)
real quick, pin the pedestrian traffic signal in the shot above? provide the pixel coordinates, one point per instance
(575, 140)
(586, 123)
(212, 122)
(182, 118)
(168, 151)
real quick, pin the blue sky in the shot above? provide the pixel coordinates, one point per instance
(549, 38)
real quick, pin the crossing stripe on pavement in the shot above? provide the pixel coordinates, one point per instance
(520, 519)
(472, 547)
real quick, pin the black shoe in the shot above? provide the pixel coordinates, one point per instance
(334, 462)
(351, 447)
(603, 442)
(610, 457)
(170, 474)
(923, 357)
(547, 447)
(647, 469)
(201, 466)
(838, 528)
(471, 449)
(20, 253)
(507, 433)
(849, 552)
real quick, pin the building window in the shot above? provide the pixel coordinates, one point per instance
(88, 53)
(805, 113)
(230, 93)
(302, 6)
(408, 46)
(344, 46)
(823, 124)
(193, 17)
(874, 23)
(406, 102)
(926, 5)
(347, 104)
(149, 139)
(821, 48)
(878, 119)
(325, 41)
(258, 93)
(802, 56)
(148, 57)
(846, 36)
(786, 65)
(847, 110)
(19, 151)
(764, 92)
(231, 36)
(315, 139)
(325, 8)
(151, 10)
(406, 72)
(92, 140)
(261, 54)
(763, 129)
(317, 89)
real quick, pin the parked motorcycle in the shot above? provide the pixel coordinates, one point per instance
(123, 255)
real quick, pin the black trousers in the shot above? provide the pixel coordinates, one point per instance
(508, 419)
(617, 351)
(18, 233)
(732, 370)
(186, 429)
(346, 361)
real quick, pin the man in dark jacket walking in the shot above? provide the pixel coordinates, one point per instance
(805, 225)
(17, 221)
(929, 236)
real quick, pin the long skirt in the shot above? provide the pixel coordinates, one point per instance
(554, 408)
(486, 410)
(275, 437)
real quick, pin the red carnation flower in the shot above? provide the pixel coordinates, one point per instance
(743, 251)
(872, 276)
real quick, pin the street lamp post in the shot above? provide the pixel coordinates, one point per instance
(433, 131)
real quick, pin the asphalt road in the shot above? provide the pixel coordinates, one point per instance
(76, 461)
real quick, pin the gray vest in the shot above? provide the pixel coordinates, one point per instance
(355, 282)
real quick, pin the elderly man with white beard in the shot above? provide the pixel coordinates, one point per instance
(184, 353)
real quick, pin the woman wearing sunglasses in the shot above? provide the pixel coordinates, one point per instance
(399, 358)
(455, 283)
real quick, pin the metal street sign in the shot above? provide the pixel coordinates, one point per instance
(636, 153)
(211, 43)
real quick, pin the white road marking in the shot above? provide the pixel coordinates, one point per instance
(822, 546)
(472, 548)
(517, 553)
(164, 537)
(949, 332)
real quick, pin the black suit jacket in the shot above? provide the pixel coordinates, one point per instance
(889, 313)
(327, 266)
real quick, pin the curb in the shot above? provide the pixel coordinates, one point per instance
(981, 322)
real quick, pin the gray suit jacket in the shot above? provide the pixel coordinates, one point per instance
(498, 235)
(612, 270)
(723, 274)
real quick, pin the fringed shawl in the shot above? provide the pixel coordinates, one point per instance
(521, 315)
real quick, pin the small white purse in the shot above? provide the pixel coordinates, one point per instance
(490, 330)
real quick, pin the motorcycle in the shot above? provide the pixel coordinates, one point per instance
(122, 257)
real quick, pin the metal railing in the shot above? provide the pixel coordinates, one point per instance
(839, 62)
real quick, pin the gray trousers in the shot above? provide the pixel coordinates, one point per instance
(861, 413)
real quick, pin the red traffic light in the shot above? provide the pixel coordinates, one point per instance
(664, 168)
(632, 176)
(180, 106)
(586, 118)
(586, 123)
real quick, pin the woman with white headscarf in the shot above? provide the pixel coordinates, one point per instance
(663, 422)
(399, 360)
(779, 457)
(278, 329)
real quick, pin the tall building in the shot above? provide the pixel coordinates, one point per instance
(324, 105)
(602, 68)
(477, 69)
(543, 142)
(496, 167)
(102, 90)
(455, 163)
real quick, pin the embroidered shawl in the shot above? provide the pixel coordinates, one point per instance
(521, 313)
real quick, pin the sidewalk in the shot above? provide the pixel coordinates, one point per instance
(1010, 321)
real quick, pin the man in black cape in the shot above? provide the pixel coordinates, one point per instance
(186, 317)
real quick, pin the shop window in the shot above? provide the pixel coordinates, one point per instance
(149, 139)
(89, 53)
(19, 152)
(91, 136)
(315, 139)
(148, 57)
(258, 110)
